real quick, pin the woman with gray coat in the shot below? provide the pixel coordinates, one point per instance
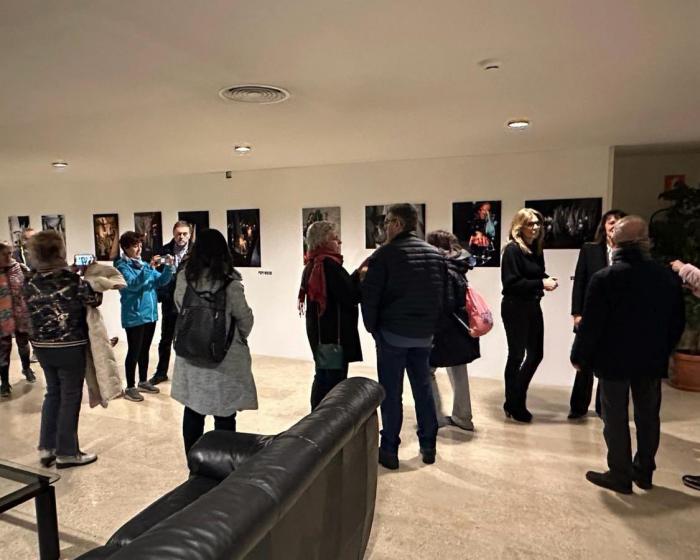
(228, 387)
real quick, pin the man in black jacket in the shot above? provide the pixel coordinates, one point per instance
(633, 317)
(402, 298)
(178, 247)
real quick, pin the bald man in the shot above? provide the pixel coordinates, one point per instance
(633, 317)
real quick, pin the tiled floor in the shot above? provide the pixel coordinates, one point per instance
(507, 491)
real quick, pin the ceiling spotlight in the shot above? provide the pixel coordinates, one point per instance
(242, 150)
(490, 64)
(60, 164)
(518, 124)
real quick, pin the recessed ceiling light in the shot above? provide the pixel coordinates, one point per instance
(60, 164)
(518, 124)
(254, 93)
(243, 149)
(490, 64)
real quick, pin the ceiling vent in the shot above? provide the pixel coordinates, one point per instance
(262, 95)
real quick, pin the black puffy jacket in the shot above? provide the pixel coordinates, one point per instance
(403, 290)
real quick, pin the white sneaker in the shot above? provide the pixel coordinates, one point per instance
(65, 461)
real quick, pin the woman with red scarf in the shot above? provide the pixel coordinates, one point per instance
(331, 296)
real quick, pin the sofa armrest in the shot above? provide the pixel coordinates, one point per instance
(220, 452)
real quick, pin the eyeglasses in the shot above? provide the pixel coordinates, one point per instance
(533, 224)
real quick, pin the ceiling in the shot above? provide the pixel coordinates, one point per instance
(130, 88)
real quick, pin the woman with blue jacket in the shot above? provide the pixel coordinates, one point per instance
(139, 309)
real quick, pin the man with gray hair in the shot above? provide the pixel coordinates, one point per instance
(633, 317)
(402, 298)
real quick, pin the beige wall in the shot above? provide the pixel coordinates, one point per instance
(280, 195)
(639, 179)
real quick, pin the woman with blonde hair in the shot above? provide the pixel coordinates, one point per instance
(524, 282)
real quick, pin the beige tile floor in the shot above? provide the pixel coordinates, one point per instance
(507, 491)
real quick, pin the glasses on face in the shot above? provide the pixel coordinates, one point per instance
(533, 224)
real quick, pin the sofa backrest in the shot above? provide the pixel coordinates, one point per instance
(309, 493)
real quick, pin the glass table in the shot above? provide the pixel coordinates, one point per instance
(19, 484)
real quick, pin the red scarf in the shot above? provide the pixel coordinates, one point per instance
(313, 285)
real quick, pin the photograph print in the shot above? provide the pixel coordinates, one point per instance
(106, 233)
(477, 225)
(56, 222)
(243, 234)
(198, 219)
(17, 226)
(317, 214)
(150, 226)
(375, 234)
(568, 222)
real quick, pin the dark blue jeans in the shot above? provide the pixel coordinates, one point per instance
(64, 369)
(392, 361)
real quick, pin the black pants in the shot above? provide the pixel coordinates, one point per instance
(167, 333)
(524, 326)
(64, 369)
(6, 350)
(193, 426)
(324, 381)
(646, 399)
(582, 392)
(139, 344)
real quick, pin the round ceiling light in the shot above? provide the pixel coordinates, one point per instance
(254, 93)
(490, 64)
(60, 164)
(518, 124)
(242, 149)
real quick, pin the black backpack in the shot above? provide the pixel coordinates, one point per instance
(200, 333)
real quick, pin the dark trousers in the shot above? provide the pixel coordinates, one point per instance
(167, 333)
(5, 351)
(193, 426)
(324, 381)
(64, 369)
(392, 361)
(524, 326)
(139, 344)
(582, 392)
(646, 399)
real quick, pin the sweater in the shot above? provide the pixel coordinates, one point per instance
(522, 274)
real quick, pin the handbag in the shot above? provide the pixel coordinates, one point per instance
(328, 356)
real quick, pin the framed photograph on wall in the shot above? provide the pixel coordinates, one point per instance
(150, 226)
(375, 234)
(317, 214)
(17, 226)
(477, 225)
(198, 219)
(56, 222)
(106, 233)
(568, 222)
(243, 234)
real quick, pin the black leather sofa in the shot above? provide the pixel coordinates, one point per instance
(306, 493)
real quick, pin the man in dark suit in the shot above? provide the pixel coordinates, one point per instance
(178, 247)
(633, 317)
(592, 258)
(402, 300)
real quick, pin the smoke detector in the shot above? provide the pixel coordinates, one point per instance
(254, 93)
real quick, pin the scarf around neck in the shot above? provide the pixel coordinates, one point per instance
(313, 285)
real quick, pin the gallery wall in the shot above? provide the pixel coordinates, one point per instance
(281, 194)
(638, 179)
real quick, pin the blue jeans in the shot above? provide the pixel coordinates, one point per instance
(391, 363)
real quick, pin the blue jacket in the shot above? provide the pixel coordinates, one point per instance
(139, 298)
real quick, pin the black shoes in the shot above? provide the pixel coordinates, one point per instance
(29, 375)
(691, 481)
(47, 457)
(5, 391)
(388, 460)
(428, 455)
(519, 415)
(577, 415)
(606, 480)
(157, 378)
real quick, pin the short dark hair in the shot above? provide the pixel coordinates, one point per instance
(407, 213)
(129, 239)
(183, 223)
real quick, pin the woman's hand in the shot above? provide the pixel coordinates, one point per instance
(155, 261)
(550, 284)
(577, 320)
(677, 265)
(300, 307)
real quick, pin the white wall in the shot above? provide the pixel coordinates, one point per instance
(639, 179)
(280, 195)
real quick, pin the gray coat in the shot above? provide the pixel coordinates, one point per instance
(228, 387)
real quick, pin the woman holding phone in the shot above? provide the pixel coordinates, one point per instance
(524, 283)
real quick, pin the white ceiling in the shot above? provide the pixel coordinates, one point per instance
(129, 87)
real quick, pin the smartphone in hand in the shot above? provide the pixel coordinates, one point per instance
(83, 259)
